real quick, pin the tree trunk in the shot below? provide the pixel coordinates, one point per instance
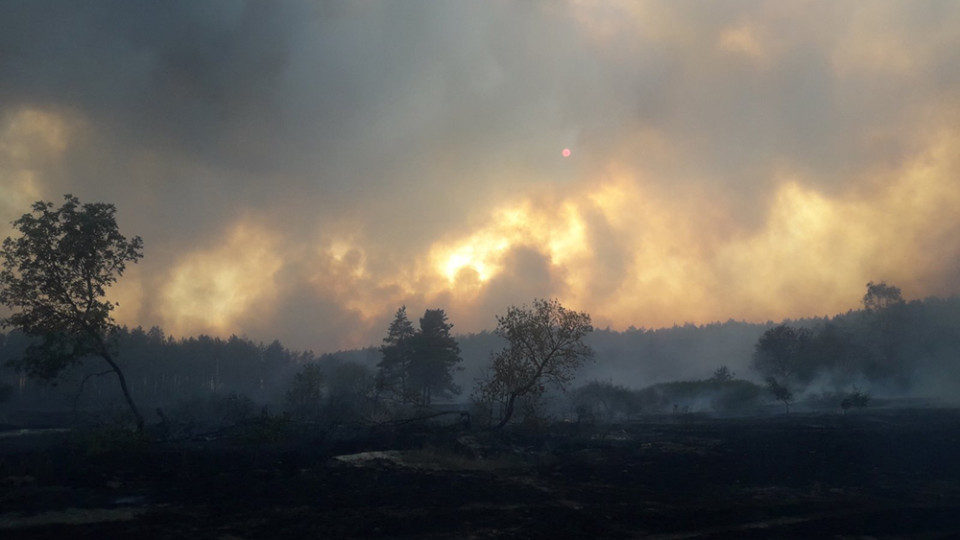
(123, 386)
(508, 413)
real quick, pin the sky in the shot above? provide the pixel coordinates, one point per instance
(300, 169)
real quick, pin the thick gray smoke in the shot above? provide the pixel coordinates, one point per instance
(300, 169)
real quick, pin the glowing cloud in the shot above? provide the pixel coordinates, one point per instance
(210, 290)
(674, 258)
(301, 172)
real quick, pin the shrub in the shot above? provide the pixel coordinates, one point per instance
(599, 401)
(856, 398)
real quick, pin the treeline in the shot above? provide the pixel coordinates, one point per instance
(908, 348)
(897, 348)
(722, 393)
(160, 370)
(891, 346)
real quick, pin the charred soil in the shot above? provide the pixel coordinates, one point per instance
(883, 474)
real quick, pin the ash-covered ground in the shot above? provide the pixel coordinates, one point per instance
(889, 473)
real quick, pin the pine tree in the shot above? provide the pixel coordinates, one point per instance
(394, 367)
(435, 355)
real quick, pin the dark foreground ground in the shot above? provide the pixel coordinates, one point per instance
(874, 474)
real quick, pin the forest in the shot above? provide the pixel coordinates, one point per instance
(897, 350)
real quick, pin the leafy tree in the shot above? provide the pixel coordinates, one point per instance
(305, 396)
(396, 353)
(544, 346)
(54, 278)
(780, 356)
(780, 391)
(722, 374)
(779, 351)
(885, 320)
(832, 350)
(855, 398)
(435, 353)
(880, 296)
(350, 388)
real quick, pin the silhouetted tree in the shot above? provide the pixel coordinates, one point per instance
(350, 389)
(780, 391)
(722, 374)
(435, 353)
(779, 351)
(832, 350)
(779, 355)
(884, 336)
(54, 278)
(397, 352)
(305, 396)
(880, 296)
(545, 345)
(855, 398)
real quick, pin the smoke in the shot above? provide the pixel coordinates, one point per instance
(301, 169)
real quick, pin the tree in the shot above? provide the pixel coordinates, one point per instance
(780, 391)
(305, 396)
(722, 374)
(416, 365)
(350, 389)
(855, 398)
(780, 351)
(544, 345)
(54, 278)
(885, 319)
(880, 296)
(435, 353)
(832, 350)
(779, 355)
(396, 353)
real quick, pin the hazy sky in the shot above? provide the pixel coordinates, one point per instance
(300, 169)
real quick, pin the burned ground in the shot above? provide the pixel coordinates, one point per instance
(883, 473)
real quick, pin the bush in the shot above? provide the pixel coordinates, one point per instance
(856, 398)
(719, 395)
(600, 401)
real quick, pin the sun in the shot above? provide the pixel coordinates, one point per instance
(457, 262)
(480, 253)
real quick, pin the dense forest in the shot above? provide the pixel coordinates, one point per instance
(896, 350)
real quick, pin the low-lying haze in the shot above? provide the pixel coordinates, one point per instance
(300, 169)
